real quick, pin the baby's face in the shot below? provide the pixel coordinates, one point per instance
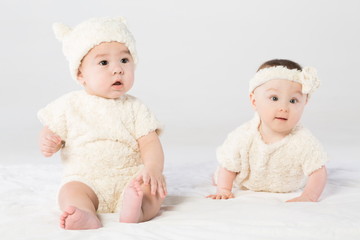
(107, 70)
(280, 104)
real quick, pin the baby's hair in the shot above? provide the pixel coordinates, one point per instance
(280, 62)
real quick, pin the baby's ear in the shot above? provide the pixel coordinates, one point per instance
(80, 78)
(253, 100)
(61, 30)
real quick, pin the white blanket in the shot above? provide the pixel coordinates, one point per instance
(28, 207)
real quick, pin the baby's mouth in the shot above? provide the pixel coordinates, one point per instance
(117, 83)
(281, 118)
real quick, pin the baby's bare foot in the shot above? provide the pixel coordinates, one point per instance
(77, 219)
(131, 208)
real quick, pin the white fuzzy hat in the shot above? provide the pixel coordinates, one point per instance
(307, 77)
(78, 41)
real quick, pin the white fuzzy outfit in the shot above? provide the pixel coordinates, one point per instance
(282, 166)
(101, 148)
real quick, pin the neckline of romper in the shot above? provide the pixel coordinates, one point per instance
(102, 99)
(270, 147)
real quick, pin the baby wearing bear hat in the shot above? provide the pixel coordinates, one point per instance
(110, 149)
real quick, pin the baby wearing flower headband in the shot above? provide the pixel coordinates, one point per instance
(112, 156)
(272, 152)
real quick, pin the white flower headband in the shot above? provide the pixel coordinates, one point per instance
(307, 77)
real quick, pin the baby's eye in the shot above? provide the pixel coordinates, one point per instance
(103, 62)
(293, 100)
(274, 98)
(124, 60)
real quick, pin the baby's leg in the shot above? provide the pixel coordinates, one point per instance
(78, 203)
(139, 205)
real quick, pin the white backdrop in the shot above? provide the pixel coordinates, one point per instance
(196, 58)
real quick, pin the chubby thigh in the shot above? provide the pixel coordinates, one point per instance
(108, 189)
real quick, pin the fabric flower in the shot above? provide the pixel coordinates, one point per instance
(309, 80)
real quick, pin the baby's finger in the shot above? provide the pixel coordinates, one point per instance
(52, 140)
(58, 138)
(163, 184)
(139, 177)
(229, 196)
(153, 186)
(164, 188)
(146, 178)
(50, 147)
(46, 152)
(46, 142)
(46, 148)
(161, 190)
(223, 196)
(136, 185)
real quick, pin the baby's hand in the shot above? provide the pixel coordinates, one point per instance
(156, 180)
(222, 194)
(50, 143)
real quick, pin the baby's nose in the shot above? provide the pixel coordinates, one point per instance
(118, 69)
(284, 107)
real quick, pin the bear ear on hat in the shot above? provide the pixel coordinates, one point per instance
(61, 30)
(122, 19)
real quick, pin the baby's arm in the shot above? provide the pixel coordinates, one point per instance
(153, 158)
(50, 143)
(313, 188)
(224, 185)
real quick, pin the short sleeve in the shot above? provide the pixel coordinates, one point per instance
(54, 116)
(228, 154)
(145, 120)
(315, 156)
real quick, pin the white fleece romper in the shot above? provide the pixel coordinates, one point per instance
(100, 135)
(282, 166)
